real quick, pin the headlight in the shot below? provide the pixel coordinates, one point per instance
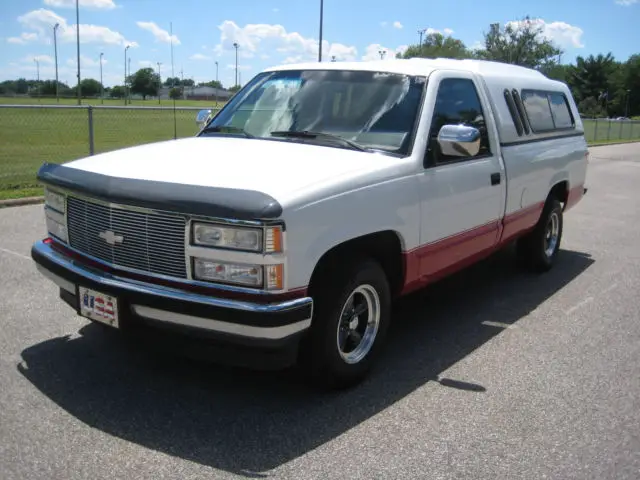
(56, 224)
(54, 200)
(227, 237)
(238, 274)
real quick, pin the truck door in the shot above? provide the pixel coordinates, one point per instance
(462, 198)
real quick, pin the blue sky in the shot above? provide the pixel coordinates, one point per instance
(278, 31)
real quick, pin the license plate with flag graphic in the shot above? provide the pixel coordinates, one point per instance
(98, 306)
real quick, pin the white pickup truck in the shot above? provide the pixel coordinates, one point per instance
(285, 228)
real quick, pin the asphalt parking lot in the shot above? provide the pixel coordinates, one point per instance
(492, 374)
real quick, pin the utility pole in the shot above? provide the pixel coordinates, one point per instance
(37, 75)
(217, 84)
(125, 73)
(235, 45)
(101, 84)
(321, 25)
(55, 49)
(78, 49)
(159, 82)
(421, 33)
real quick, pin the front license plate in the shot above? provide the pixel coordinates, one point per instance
(98, 306)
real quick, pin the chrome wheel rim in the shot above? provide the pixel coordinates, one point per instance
(358, 324)
(551, 234)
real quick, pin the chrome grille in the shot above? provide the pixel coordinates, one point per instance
(152, 242)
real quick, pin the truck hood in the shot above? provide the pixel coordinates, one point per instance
(281, 169)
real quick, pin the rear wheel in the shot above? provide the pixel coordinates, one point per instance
(350, 321)
(538, 249)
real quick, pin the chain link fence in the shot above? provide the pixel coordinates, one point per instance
(33, 134)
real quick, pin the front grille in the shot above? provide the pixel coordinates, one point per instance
(151, 242)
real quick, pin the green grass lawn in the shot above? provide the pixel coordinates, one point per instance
(31, 136)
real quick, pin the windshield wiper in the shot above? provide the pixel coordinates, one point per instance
(308, 134)
(226, 129)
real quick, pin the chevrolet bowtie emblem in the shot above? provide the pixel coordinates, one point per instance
(111, 238)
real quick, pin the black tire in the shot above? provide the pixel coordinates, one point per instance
(534, 250)
(320, 354)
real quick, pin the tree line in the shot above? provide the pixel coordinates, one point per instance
(602, 85)
(144, 82)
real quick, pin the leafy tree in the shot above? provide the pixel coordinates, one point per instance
(90, 87)
(48, 87)
(144, 82)
(212, 84)
(591, 107)
(436, 45)
(519, 43)
(175, 93)
(117, 91)
(170, 81)
(234, 89)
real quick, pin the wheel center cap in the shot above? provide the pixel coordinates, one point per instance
(353, 324)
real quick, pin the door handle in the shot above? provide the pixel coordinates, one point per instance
(495, 178)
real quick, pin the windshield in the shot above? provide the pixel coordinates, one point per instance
(373, 109)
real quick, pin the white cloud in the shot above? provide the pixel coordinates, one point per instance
(199, 56)
(372, 52)
(564, 34)
(42, 21)
(100, 4)
(384, 24)
(253, 38)
(626, 3)
(24, 37)
(447, 31)
(159, 34)
(397, 25)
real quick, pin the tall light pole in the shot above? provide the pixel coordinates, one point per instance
(55, 49)
(382, 53)
(235, 45)
(78, 49)
(101, 84)
(37, 75)
(125, 73)
(626, 107)
(217, 83)
(159, 81)
(129, 81)
(420, 33)
(321, 25)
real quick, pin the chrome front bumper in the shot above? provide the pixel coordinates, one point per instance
(267, 322)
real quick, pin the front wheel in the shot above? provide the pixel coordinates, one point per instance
(352, 310)
(539, 248)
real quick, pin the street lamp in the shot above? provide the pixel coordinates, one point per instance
(216, 83)
(125, 73)
(101, 84)
(159, 81)
(420, 33)
(78, 50)
(129, 81)
(55, 49)
(37, 75)
(321, 22)
(235, 45)
(382, 53)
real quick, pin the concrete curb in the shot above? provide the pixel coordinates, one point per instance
(613, 143)
(18, 202)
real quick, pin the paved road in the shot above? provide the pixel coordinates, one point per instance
(493, 374)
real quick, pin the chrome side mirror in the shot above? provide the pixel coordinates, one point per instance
(202, 116)
(459, 140)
